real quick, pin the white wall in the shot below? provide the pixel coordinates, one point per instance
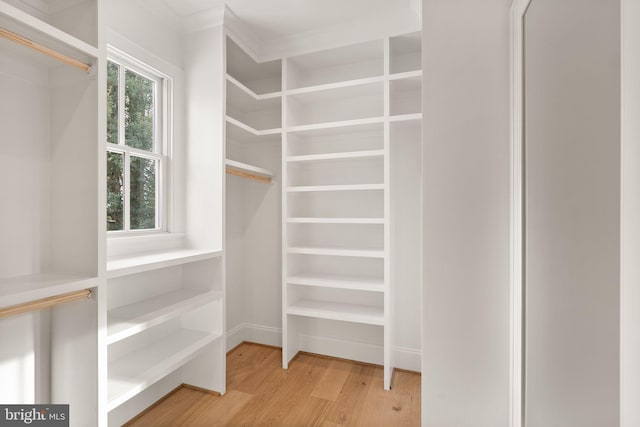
(572, 167)
(630, 227)
(140, 25)
(406, 238)
(466, 213)
(253, 224)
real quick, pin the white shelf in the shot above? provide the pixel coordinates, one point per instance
(253, 114)
(337, 282)
(244, 167)
(406, 75)
(133, 318)
(357, 102)
(251, 130)
(361, 253)
(336, 156)
(259, 77)
(337, 92)
(238, 132)
(408, 85)
(406, 117)
(405, 52)
(136, 371)
(338, 129)
(23, 289)
(338, 311)
(357, 61)
(335, 124)
(251, 93)
(26, 25)
(117, 267)
(336, 85)
(354, 187)
(316, 220)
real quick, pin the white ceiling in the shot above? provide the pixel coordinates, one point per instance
(274, 19)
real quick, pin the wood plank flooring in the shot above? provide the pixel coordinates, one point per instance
(314, 391)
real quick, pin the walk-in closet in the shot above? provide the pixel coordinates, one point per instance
(185, 177)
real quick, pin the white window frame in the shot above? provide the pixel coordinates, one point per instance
(162, 134)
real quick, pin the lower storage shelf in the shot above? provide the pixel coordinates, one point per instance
(117, 267)
(338, 311)
(133, 318)
(134, 372)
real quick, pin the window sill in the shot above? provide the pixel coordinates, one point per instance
(126, 245)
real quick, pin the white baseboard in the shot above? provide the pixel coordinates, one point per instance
(407, 358)
(254, 333)
(404, 358)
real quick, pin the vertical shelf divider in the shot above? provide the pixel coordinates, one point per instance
(388, 368)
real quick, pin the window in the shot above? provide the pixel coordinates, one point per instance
(136, 146)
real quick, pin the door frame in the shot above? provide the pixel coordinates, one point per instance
(517, 231)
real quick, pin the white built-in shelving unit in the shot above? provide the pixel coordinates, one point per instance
(344, 111)
(50, 232)
(325, 133)
(253, 104)
(165, 312)
(155, 317)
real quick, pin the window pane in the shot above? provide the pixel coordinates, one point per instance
(143, 193)
(138, 110)
(115, 191)
(112, 102)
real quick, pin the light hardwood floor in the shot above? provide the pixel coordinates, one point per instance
(314, 391)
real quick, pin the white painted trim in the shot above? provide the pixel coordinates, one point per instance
(516, 323)
(336, 347)
(259, 334)
(132, 51)
(403, 357)
(365, 28)
(234, 336)
(205, 19)
(407, 358)
(287, 330)
(388, 296)
(242, 35)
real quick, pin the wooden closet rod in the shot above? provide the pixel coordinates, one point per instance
(248, 175)
(45, 50)
(40, 304)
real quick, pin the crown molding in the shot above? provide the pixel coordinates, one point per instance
(204, 19)
(369, 27)
(242, 34)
